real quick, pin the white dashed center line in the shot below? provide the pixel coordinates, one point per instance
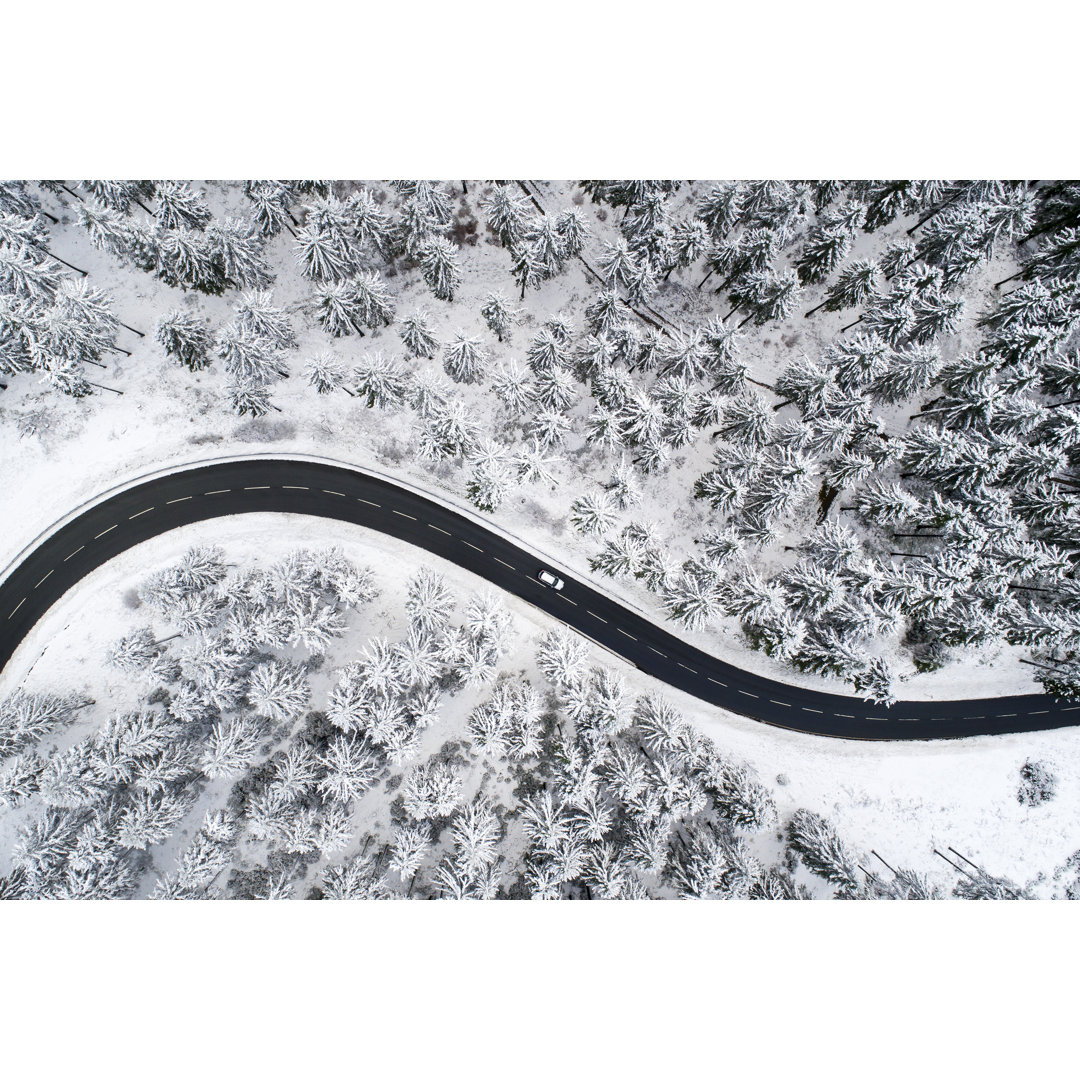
(297, 487)
(625, 634)
(658, 652)
(784, 703)
(140, 513)
(473, 546)
(339, 494)
(717, 681)
(595, 616)
(17, 606)
(437, 529)
(185, 498)
(75, 552)
(746, 693)
(260, 487)
(42, 579)
(501, 563)
(220, 491)
(108, 530)
(682, 665)
(367, 502)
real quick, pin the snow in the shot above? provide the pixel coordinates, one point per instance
(900, 799)
(169, 417)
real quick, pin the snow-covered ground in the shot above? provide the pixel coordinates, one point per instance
(900, 800)
(67, 452)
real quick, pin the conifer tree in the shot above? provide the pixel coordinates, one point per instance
(498, 314)
(270, 199)
(465, 360)
(814, 838)
(507, 214)
(514, 389)
(592, 514)
(185, 338)
(236, 249)
(527, 269)
(181, 206)
(822, 253)
(417, 337)
(369, 224)
(323, 254)
(438, 264)
(380, 380)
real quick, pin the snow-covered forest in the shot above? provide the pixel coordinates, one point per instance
(828, 430)
(274, 729)
(835, 422)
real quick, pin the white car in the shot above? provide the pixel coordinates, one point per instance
(546, 577)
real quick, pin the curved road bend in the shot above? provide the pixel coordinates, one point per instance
(303, 487)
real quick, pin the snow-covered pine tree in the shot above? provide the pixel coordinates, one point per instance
(822, 253)
(432, 790)
(767, 296)
(695, 597)
(721, 208)
(498, 314)
(186, 338)
(534, 464)
(593, 513)
(371, 299)
(439, 267)
(555, 389)
(549, 427)
(380, 380)
(409, 849)
(417, 337)
(135, 651)
(27, 717)
(118, 195)
(270, 199)
(490, 484)
(236, 250)
(323, 250)
(430, 603)
(254, 359)
(514, 389)
(507, 215)
(465, 359)
(370, 225)
(107, 229)
(184, 259)
(352, 767)
(573, 231)
(247, 398)
(624, 486)
(231, 747)
(325, 373)
(815, 839)
(181, 205)
(277, 690)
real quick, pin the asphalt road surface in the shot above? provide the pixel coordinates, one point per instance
(301, 487)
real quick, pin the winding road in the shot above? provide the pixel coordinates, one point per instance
(263, 485)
